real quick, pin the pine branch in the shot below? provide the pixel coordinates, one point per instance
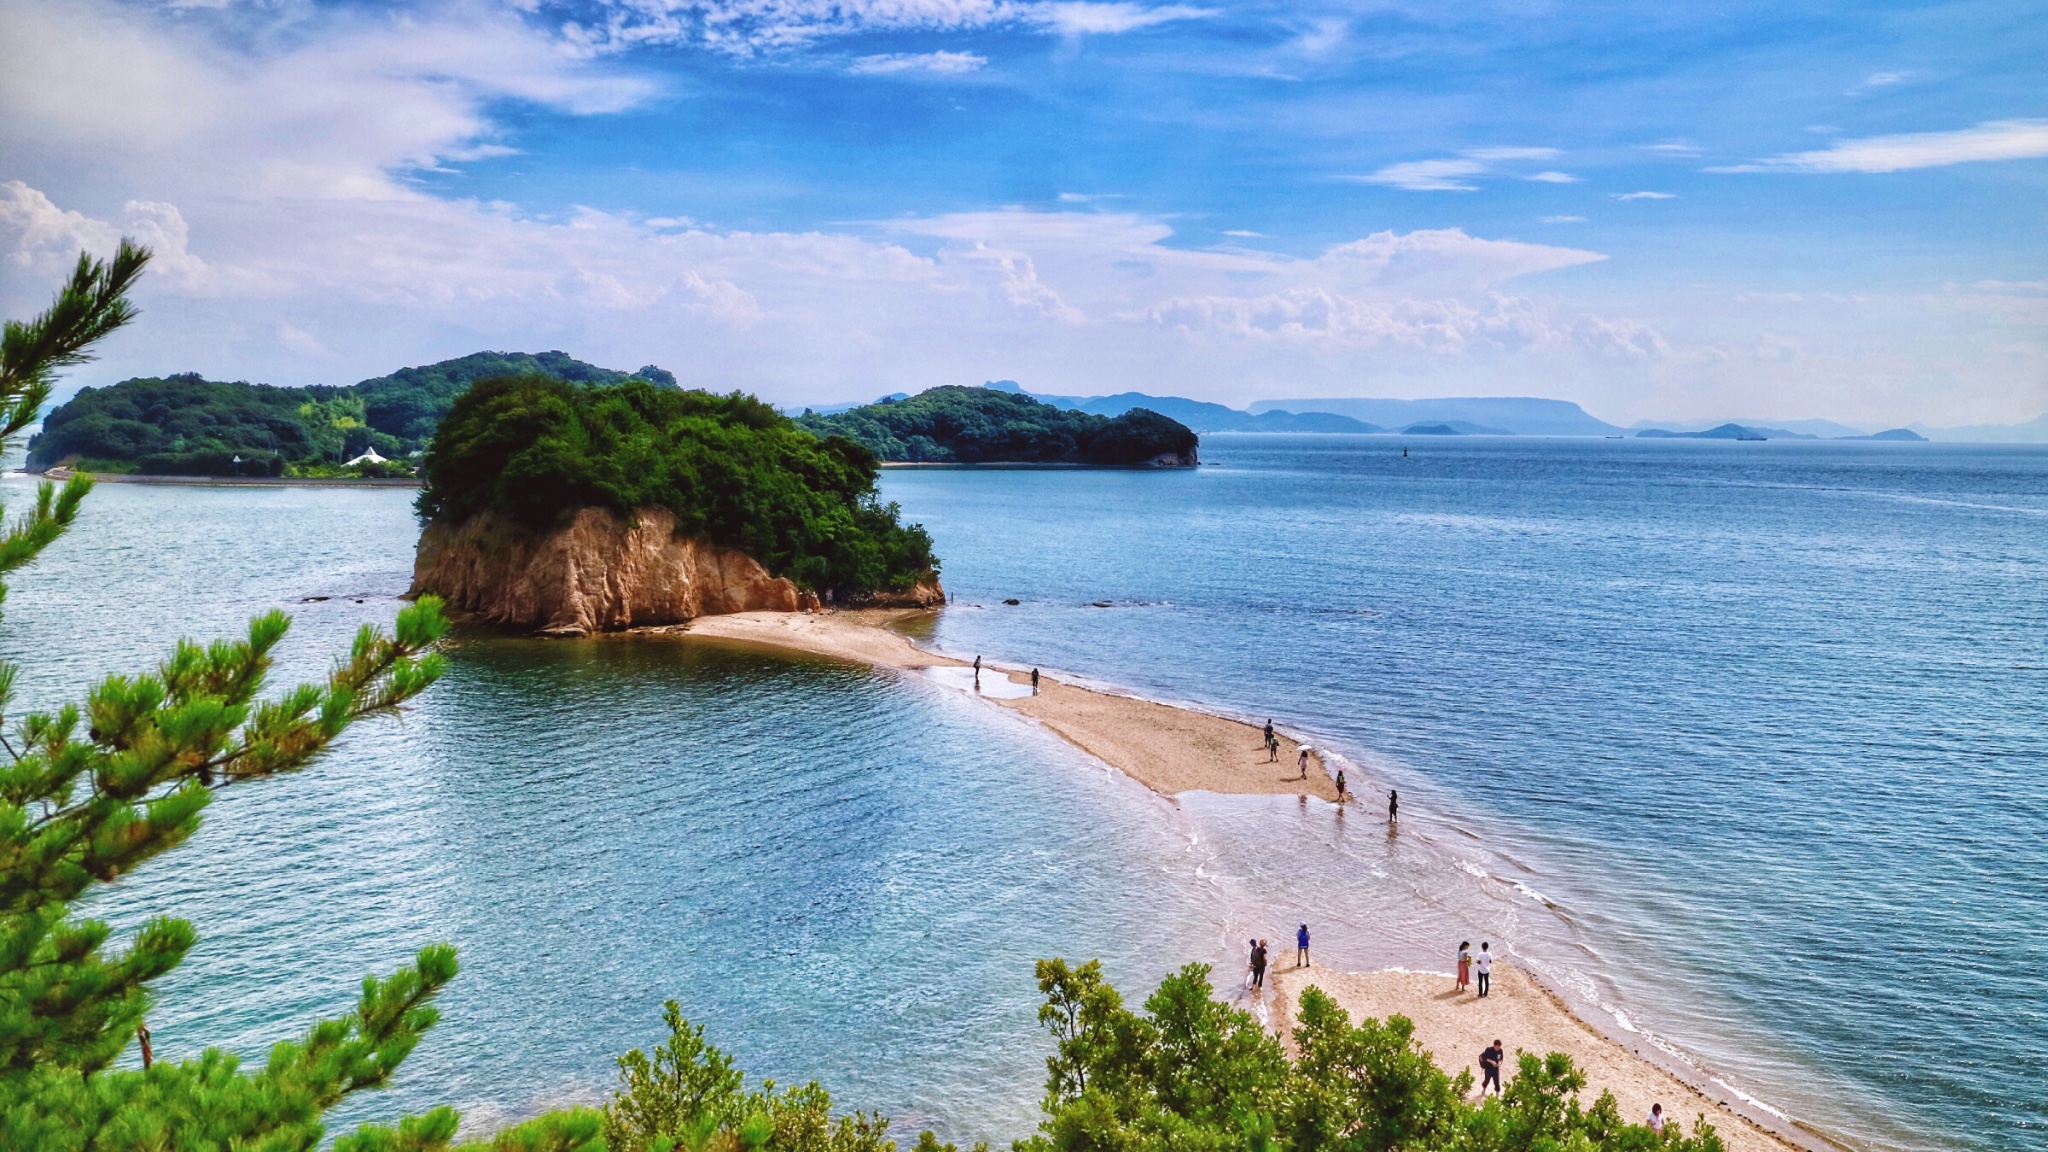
(88, 308)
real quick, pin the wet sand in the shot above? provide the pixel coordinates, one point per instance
(1170, 750)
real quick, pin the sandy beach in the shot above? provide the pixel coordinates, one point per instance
(1453, 1027)
(1174, 750)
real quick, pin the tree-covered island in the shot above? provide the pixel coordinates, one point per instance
(187, 425)
(535, 485)
(956, 425)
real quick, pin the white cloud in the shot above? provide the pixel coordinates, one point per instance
(917, 63)
(1875, 81)
(99, 94)
(1243, 234)
(1082, 19)
(339, 290)
(1647, 196)
(751, 27)
(1457, 175)
(1993, 140)
(1564, 219)
(1511, 153)
(1674, 148)
(1428, 175)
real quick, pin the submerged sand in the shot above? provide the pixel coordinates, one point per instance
(1174, 750)
(1170, 750)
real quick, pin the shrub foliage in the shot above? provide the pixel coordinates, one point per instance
(730, 467)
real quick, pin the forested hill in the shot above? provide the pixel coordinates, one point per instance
(188, 425)
(956, 425)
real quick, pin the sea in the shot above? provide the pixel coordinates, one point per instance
(1738, 745)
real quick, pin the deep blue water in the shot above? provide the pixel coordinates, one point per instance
(1760, 722)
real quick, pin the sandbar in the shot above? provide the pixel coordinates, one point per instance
(1170, 750)
(1173, 750)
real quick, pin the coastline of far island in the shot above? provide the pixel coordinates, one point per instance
(1172, 749)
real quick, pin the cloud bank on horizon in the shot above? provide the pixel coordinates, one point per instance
(822, 200)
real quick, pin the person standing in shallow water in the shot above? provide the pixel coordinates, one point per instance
(1301, 947)
(1341, 797)
(1393, 805)
(1259, 964)
(1485, 966)
(1464, 965)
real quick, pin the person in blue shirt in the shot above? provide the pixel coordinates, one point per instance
(1301, 946)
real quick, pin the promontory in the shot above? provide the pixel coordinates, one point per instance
(565, 509)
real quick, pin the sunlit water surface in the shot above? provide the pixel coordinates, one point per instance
(1740, 742)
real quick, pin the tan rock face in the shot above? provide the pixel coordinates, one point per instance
(598, 573)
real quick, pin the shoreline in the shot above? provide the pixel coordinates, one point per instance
(1173, 749)
(234, 481)
(1169, 750)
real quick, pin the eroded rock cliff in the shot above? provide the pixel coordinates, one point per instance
(598, 573)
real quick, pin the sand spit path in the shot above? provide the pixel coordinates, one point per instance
(1170, 750)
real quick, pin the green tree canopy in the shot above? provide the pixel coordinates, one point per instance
(732, 469)
(955, 425)
(185, 424)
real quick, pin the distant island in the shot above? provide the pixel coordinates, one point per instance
(958, 425)
(569, 508)
(187, 425)
(1746, 432)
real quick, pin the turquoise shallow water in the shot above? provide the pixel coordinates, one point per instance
(1739, 741)
(1761, 721)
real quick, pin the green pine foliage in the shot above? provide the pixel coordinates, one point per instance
(1189, 1073)
(732, 469)
(955, 425)
(91, 791)
(187, 425)
(688, 1097)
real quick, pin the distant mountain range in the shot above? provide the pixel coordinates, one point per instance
(1483, 416)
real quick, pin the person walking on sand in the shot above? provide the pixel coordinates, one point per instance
(1304, 761)
(1341, 797)
(1485, 966)
(1489, 1068)
(1272, 749)
(1259, 965)
(1464, 965)
(1656, 1120)
(1301, 947)
(1034, 681)
(1269, 730)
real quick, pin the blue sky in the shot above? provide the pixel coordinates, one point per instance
(1666, 211)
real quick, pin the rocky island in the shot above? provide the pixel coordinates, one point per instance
(956, 425)
(554, 508)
